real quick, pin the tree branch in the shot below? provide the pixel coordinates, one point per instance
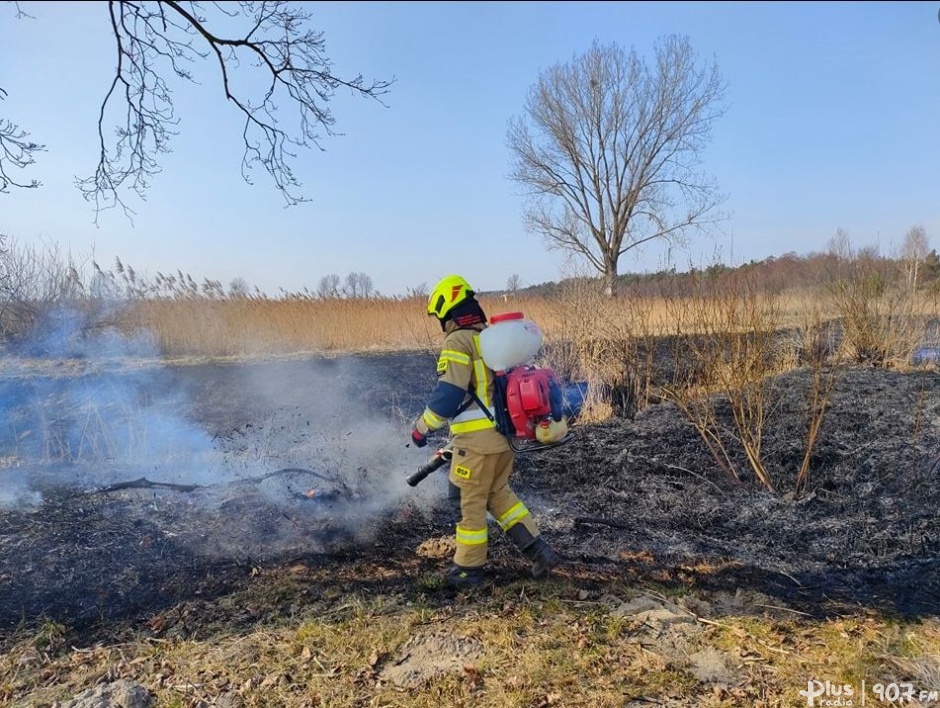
(17, 152)
(277, 61)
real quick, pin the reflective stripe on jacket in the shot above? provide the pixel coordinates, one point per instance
(460, 368)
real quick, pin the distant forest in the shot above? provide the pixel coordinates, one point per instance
(774, 274)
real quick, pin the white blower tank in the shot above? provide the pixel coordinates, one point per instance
(509, 340)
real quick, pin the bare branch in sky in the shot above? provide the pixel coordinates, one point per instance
(269, 63)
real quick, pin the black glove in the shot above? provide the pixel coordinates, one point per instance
(418, 439)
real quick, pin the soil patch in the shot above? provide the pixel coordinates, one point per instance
(422, 658)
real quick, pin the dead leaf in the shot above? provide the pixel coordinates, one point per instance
(473, 674)
(157, 624)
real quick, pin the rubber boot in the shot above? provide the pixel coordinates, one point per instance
(543, 558)
(536, 549)
(460, 578)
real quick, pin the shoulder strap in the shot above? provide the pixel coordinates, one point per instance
(502, 419)
(474, 398)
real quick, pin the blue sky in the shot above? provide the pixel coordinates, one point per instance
(833, 120)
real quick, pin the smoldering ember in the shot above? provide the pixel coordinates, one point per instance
(253, 474)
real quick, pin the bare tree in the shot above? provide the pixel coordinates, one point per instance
(419, 291)
(841, 255)
(609, 151)
(328, 287)
(274, 64)
(513, 283)
(358, 285)
(840, 245)
(914, 251)
(238, 288)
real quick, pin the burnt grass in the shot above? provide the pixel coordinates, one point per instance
(631, 501)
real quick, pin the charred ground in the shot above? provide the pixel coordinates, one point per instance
(626, 501)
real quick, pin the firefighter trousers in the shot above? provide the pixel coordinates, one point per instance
(483, 484)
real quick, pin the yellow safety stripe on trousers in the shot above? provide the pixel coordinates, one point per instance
(454, 356)
(471, 537)
(432, 420)
(513, 516)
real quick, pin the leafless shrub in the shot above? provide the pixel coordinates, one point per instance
(728, 332)
(35, 282)
(609, 343)
(818, 351)
(884, 317)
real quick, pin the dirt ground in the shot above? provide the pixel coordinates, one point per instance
(304, 460)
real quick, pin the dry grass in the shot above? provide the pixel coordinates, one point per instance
(227, 327)
(552, 644)
(580, 314)
(883, 321)
(248, 326)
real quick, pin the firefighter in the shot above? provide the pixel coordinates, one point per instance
(482, 459)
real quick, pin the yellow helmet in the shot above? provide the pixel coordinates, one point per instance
(447, 294)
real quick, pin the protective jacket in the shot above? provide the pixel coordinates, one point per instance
(460, 369)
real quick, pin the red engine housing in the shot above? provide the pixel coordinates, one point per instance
(528, 398)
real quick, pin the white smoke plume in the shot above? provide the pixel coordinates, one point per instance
(84, 409)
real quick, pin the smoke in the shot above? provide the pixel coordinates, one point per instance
(340, 418)
(97, 402)
(280, 452)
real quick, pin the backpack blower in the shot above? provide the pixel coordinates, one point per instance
(532, 409)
